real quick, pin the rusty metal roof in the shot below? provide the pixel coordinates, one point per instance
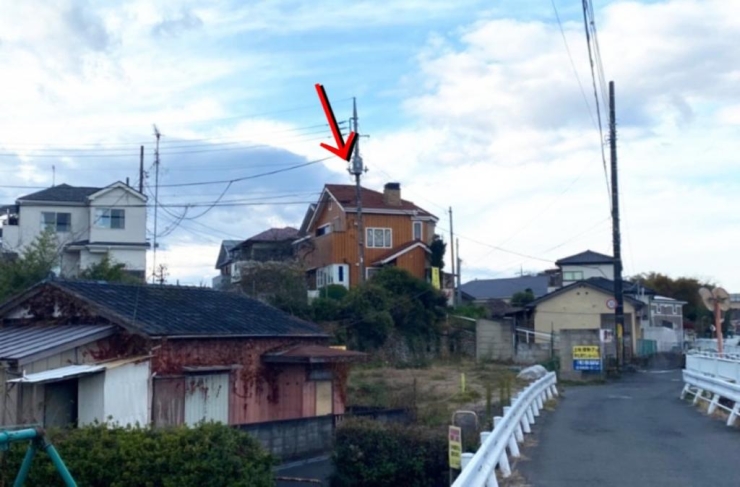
(26, 344)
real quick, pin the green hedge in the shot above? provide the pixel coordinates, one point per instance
(210, 455)
(372, 454)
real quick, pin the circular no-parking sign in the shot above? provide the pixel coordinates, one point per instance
(611, 303)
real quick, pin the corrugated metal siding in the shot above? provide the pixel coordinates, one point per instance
(91, 400)
(207, 398)
(127, 393)
(18, 342)
(169, 401)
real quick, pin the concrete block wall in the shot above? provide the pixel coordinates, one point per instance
(570, 339)
(494, 341)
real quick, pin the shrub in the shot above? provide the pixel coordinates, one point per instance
(210, 455)
(372, 454)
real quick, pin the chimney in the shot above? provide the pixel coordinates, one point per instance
(392, 194)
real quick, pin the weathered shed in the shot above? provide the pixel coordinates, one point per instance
(163, 355)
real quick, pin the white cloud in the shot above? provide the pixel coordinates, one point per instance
(504, 131)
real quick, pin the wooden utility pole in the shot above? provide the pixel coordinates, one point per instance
(459, 272)
(356, 169)
(141, 169)
(616, 237)
(452, 258)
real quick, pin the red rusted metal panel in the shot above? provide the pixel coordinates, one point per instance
(168, 408)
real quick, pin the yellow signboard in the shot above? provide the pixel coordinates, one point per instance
(586, 352)
(455, 440)
(435, 278)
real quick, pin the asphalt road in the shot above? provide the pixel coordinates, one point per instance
(314, 472)
(631, 432)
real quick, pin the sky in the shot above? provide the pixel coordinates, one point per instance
(485, 107)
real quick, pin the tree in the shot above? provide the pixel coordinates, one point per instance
(682, 288)
(367, 320)
(33, 265)
(438, 248)
(280, 284)
(109, 271)
(522, 298)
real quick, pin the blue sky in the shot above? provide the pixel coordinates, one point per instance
(468, 104)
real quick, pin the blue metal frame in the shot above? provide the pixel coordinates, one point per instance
(38, 441)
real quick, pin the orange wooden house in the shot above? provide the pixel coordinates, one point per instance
(397, 233)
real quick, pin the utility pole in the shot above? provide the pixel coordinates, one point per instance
(616, 237)
(156, 202)
(459, 271)
(356, 169)
(141, 169)
(452, 258)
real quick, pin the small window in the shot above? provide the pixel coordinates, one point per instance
(58, 222)
(323, 230)
(378, 238)
(110, 218)
(573, 276)
(341, 274)
(418, 226)
(370, 272)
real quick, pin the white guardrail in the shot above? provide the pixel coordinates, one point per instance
(725, 366)
(508, 432)
(716, 374)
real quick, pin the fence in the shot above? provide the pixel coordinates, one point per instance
(292, 439)
(716, 374)
(508, 432)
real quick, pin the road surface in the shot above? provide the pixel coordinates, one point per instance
(631, 432)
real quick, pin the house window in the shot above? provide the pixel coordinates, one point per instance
(417, 230)
(573, 276)
(59, 222)
(370, 272)
(341, 273)
(323, 230)
(110, 218)
(378, 238)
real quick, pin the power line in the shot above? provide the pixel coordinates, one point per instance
(596, 96)
(572, 63)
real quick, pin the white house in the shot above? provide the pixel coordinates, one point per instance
(89, 223)
(584, 266)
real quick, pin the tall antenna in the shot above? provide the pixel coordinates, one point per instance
(356, 169)
(156, 202)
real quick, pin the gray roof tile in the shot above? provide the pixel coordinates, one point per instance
(62, 193)
(505, 288)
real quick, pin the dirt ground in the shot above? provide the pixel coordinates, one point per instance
(435, 391)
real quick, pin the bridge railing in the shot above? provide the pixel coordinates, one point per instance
(508, 432)
(697, 383)
(723, 366)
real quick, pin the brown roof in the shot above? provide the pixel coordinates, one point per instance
(346, 195)
(401, 249)
(275, 235)
(313, 354)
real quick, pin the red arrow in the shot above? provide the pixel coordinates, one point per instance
(342, 150)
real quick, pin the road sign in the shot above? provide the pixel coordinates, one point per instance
(587, 357)
(611, 303)
(454, 436)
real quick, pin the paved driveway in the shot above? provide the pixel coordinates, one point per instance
(632, 432)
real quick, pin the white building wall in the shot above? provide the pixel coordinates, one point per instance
(135, 222)
(126, 393)
(29, 226)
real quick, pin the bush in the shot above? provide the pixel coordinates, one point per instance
(97, 456)
(372, 454)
